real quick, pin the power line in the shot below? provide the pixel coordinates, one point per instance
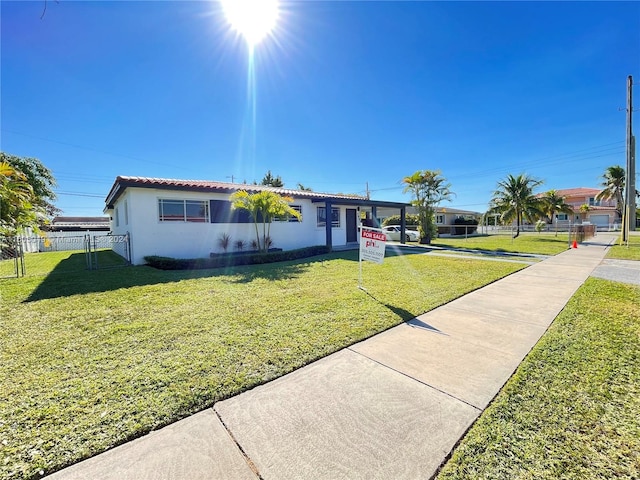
(80, 194)
(597, 151)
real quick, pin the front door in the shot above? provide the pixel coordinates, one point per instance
(352, 225)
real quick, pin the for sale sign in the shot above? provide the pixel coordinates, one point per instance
(372, 244)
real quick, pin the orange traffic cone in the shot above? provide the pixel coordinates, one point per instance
(574, 244)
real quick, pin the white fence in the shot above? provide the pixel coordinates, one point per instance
(60, 241)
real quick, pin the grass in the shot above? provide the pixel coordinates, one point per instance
(572, 409)
(91, 359)
(624, 251)
(533, 243)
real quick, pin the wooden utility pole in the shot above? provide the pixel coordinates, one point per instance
(630, 183)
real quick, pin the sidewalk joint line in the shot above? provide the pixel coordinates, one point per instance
(416, 379)
(250, 463)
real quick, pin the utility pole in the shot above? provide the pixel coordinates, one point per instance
(630, 183)
(368, 195)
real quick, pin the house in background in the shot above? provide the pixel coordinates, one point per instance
(186, 218)
(601, 213)
(79, 224)
(445, 217)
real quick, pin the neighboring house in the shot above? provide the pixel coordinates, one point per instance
(186, 218)
(601, 213)
(79, 224)
(445, 217)
(67, 233)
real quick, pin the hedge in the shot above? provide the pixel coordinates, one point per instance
(230, 260)
(466, 223)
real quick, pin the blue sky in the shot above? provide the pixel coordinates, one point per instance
(346, 93)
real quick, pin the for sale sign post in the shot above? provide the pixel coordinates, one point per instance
(372, 243)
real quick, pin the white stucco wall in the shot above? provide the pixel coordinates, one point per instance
(150, 236)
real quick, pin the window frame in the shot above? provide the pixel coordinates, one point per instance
(187, 217)
(290, 218)
(321, 221)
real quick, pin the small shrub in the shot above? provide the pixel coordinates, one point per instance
(540, 225)
(223, 241)
(239, 245)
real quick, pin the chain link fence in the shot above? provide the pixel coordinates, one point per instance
(32, 255)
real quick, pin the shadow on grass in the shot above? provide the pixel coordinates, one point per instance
(501, 252)
(410, 318)
(70, 276)
(397, 249)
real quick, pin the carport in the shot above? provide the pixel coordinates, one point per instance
(352, 218)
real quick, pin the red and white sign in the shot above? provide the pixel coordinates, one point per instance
(372, 245)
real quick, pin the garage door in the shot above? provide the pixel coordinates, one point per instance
(599, 220)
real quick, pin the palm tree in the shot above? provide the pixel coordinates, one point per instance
(17, 209)
(514, 200)
(613, 187)
(428, 188)
(553, 203)
(264, 207)
(584, 211)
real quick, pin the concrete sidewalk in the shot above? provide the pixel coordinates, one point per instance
(390, 407)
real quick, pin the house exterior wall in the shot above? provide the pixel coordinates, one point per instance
(136, 211)
(602, 213)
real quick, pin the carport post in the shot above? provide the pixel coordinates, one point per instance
(403, 225)
(328, 223)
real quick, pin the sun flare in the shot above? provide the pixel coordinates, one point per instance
(253, 19)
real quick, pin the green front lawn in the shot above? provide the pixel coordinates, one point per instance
(536, 243)
(572, 409)
(91, 359)
(626, 252)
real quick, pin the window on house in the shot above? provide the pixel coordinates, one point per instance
(290, 218)
(593, 202)
(117, 217)
(126, 213)
(183, 210)
(562, 216)
(221, 212)
(322, 217)
(440, 219)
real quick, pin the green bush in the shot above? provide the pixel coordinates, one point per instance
(464, 229)
(230, 260)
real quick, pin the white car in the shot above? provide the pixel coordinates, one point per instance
(393, 233)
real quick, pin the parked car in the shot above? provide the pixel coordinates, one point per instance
(393, 233)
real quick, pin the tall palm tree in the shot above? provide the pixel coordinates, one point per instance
(514, 200)
(428, 188)
(613, 187)
(553, 203)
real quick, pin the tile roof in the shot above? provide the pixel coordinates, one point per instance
(123, 182)
(576, 192)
